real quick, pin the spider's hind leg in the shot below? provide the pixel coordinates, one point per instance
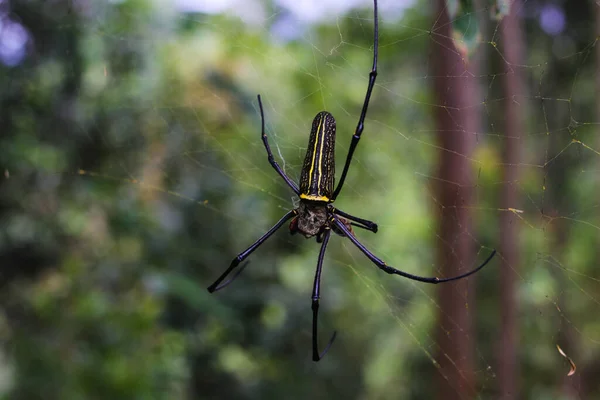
(391, 270)
(320, 235)
(348, 226)
(316, 294)
(219, 284)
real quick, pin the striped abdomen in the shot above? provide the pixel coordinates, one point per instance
(318, 172)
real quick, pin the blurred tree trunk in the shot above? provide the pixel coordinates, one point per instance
(587, 375)
(456, 119)
(513, 45)
(591, 371)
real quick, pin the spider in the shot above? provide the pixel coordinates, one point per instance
(316, 216)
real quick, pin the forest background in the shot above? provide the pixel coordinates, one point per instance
(132, 172)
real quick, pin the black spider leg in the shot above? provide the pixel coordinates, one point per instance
(363, 113)
(362, 223)
(315, 302)
(228, 281)
(320, 235)
(383, 266)
(244, 254)
(272, 161)
(361, 226)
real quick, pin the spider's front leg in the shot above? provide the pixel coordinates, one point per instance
(270, 156)
(363, 114)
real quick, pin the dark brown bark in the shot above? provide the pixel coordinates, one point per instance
(456, 118)
(591, 371)
(512, 47)
(585, 384)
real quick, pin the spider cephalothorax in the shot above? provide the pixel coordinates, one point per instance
(316, 215)
(314, 218)
(311, 219)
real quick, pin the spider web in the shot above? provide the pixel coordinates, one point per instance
(390, 179)
(201, 172)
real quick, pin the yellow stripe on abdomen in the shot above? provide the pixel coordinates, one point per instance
(313, 197)
(320, 170)
(312, 163)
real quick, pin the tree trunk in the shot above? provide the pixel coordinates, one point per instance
(456, 118)
(512, 41)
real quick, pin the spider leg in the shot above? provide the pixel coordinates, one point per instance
(217, 285)
(359, 226)
(361, 223)
(363, 113)
(319, 237)
(228, 281)
(390, 270)
(272, 161)
(315, 302)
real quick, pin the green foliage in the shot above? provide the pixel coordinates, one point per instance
(466, 21)
(133, 172)
(466, 31)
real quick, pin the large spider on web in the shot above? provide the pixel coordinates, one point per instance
(316, 216)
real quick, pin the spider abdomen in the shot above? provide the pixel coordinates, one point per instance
(318, 171)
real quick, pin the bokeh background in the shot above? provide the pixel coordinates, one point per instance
(132, 172)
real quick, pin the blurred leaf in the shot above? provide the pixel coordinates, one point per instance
(196, 297)
(571, 363)
(499, 9)
(466, 29)
(465, 26)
